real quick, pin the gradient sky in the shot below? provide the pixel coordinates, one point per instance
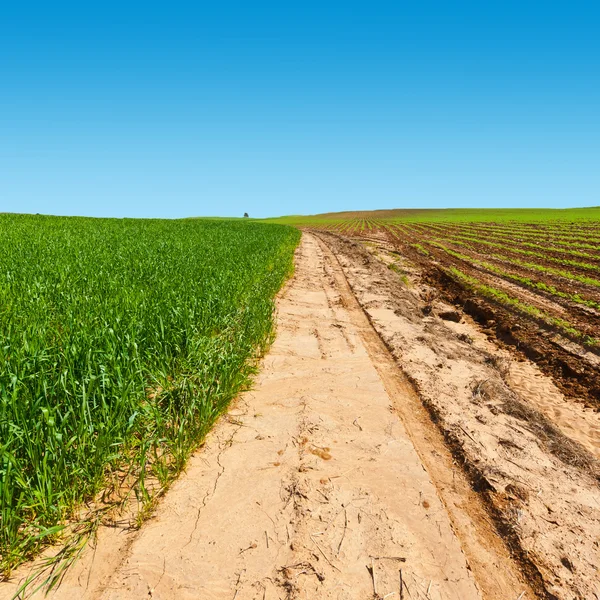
(172, 110)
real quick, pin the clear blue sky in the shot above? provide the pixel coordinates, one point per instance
(171, 110)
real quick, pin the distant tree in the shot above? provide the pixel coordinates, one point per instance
(246, 215)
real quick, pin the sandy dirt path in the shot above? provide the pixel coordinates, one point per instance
(310, 480)
(310, 487)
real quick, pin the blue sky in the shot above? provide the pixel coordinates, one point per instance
(171, 109)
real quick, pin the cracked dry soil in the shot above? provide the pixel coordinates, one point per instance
(328, 480)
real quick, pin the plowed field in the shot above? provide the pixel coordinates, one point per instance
(533, 286)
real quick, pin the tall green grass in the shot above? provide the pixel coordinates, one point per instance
(121, 342)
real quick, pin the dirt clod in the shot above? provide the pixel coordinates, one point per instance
(450, 315)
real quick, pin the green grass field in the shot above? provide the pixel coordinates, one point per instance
(452, 215)
(122, 341)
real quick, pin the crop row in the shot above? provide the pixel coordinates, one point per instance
(450, 238)
(533, 284)
(550, 231)
(578, 241)
(456, 238)
(517, 305)
(518, 232)
(562, 273)
(471, 245)
(421, 232)
(511, 239)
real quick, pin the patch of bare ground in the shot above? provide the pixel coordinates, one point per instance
(531, 458)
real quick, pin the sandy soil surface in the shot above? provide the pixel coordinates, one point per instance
(530, 452)
(328, 480)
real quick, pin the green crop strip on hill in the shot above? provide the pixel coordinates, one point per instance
(122, 341)
(526, 281)
(517, 305)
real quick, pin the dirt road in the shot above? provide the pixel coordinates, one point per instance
(326, 481)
